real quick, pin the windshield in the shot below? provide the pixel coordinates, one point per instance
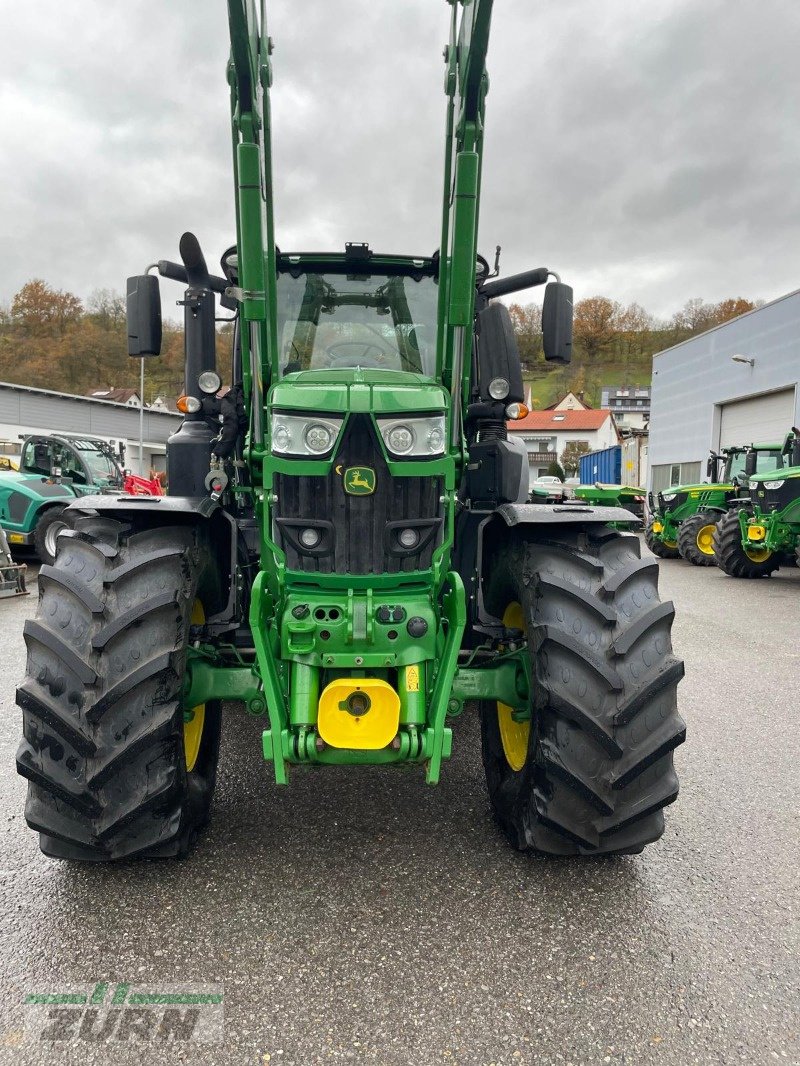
(766, 460)
(331, 321)
(101, 465)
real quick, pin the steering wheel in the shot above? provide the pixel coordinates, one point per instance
(348, 359)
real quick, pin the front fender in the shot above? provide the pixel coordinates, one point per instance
(222, 530)
(527, 514)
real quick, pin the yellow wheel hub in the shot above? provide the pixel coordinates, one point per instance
(670, 543)
(757, 555)
(705, 539)
(194, 720)
(514, 735)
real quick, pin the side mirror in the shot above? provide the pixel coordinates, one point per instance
(711, 467)
(144, 315)
(498, 355)
(557, 322)
(750, 462)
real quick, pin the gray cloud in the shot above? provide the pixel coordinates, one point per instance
(646, 151)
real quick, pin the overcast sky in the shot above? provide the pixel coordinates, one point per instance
(645, 150)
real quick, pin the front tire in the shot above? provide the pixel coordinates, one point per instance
(664, 549)
(596, 767)
(113, 770)
(696, 539)
(733, 558)
(51, 524)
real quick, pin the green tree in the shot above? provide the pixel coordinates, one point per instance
(571, 456)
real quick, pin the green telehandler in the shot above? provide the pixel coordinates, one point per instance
(757, 538)
(54, 469)
(347, 549)
(682, 518)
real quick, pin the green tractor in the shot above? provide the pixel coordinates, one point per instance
(347, 550)
(682, 518)
(754, 540)
(54, 469)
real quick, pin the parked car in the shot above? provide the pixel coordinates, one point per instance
(547, 488)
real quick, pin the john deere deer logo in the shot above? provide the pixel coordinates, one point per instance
(359, 481)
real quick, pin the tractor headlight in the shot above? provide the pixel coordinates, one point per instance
(771, 486)
(668, 497)
(418, 437)
(303, 435)
(210, 382)
(499, 388)
(319, 438)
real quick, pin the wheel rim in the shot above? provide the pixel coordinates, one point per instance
(194, 719)
(757, 555)
(705, 539)
(51, 536)
(671, 544)
(514, 735)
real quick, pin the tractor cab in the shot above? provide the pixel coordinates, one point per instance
(358, 310)
(731, 466)
(87, 464)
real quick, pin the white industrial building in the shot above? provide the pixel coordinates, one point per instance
(25, 410)
(734, 384)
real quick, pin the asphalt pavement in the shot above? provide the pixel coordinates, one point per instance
(360, 916)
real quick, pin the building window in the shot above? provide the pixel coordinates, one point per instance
(675, 474)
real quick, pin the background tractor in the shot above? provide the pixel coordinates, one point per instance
(347, 549)
(53, 470)
(756, 538)
(682, 518)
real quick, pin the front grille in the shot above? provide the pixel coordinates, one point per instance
(769, 499)
(358, 534)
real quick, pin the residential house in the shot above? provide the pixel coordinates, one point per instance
(546, 434)
(570, 402)
(630, 404)
(130, 397)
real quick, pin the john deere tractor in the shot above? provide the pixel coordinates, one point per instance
(347, 550)
(682, 518)
(755, 539)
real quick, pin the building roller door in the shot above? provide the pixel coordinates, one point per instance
(759, 418)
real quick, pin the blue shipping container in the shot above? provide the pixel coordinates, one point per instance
(604, 466)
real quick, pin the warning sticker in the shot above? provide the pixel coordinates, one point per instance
(412, 679)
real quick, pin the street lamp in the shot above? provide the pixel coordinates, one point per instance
(743, 359)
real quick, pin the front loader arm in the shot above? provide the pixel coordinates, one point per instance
(466, 84)
(250, 76)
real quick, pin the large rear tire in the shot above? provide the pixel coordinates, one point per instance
(664, 549)
(594, 770)
(696, 539)
(113, 768)
(733, 559)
